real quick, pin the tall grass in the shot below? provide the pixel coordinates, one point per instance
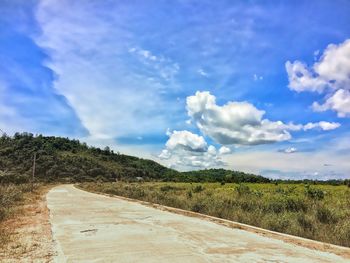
(319, 212)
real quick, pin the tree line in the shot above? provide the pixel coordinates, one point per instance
(68, 160)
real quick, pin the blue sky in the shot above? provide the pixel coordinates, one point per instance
(258, 86)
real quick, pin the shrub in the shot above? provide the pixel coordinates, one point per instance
(189, 194)
(258, 193)
(325, 216)
(198, 207)
(342, 233)
(305, 222)
(242, 189)
(294, 204)
(9, 195)
(248, 205)
(167, 188)
(314, 193)
(198, 188)
(276, 206)
(280, 223)
(285, 191)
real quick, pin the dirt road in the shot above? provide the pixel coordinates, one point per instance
(94, 228)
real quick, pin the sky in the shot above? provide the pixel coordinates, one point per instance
(255, 86)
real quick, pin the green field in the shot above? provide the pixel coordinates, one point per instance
(319, 212)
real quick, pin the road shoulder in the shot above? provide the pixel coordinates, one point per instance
(29, 231)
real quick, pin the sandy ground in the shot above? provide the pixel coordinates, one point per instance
(31, 236)
(95, 228)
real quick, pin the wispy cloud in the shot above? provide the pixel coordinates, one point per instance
(87, 47)
(164, 67)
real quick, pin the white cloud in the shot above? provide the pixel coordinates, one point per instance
(89, 52)
(301, 79)
(224, 150)
(324, 125)
(199, 161)
(290, 150)
(256, 77)
(202, 72)
(165, 67)
(339, 102)
(330, 75)
(187, 141)
(289, 165)
(165, 154)
(240, 122)
(186, 149)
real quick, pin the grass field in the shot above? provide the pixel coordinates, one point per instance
(319, 212)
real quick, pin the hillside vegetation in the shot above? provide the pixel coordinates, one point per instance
(65, 160)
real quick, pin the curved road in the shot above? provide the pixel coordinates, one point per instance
(89, 227)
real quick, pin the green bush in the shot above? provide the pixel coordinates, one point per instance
(199, 207)
(295, 204)
(314, 193)
(198, 188)
(242, 189)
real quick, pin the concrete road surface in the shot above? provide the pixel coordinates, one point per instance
(89, 227)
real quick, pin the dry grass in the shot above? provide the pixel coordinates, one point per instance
(25, 232)
(319, 212)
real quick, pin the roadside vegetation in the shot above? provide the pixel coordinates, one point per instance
(12, 198)
(319, 212)
(312, 209)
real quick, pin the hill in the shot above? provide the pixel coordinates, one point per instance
(67, 160)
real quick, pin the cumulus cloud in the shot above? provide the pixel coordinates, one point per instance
(289, 150)
(330, 75)
(339, 102)
(323, 125)
(241, 122)
(187, 141)
(191, 150)
(224, 150)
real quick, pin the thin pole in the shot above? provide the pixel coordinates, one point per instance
(33, 175)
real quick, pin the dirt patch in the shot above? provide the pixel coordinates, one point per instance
(29, 231)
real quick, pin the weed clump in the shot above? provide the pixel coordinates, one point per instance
(198, 189)
(325, 215)
(242, 189)
(313, 193)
